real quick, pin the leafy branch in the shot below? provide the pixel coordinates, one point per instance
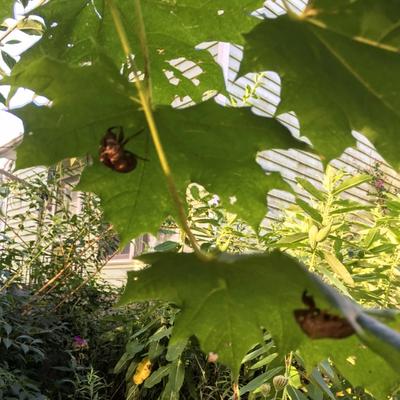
(144, 96)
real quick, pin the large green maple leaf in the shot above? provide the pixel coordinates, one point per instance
(234, 297)
(207, 144)
(339, 64)
(76, 27)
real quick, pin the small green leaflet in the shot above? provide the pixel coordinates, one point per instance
(336, 75)
(175, 381)
(7, 59)
(311, 189)
(351, 182)
(208, 144)
(338, 268)
(311, 211)
(236, 294)
(156, 377)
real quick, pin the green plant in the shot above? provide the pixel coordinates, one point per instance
(216, 229)
(50, 294)
(47, 242)
(202, 377)
(352, 246)
(343, 56)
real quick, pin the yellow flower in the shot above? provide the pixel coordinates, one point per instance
(143, 371)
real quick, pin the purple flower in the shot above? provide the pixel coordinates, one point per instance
(379, 184)
(79, 342)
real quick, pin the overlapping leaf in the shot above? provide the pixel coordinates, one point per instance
(234, 297)
(364, 20)
(208, 144)
(75, 28)
(339, 66)
(356, 362)
(5, 9)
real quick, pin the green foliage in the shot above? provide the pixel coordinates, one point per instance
(340, 71)
(46, 238)
(354, 246)
(216, 229)
(48, 294)
(202, 377)
(62, 353)
(142, 196)
(339, 56)
(70, 21)
(235, 294)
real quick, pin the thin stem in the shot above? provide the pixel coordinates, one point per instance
(16, 179)
(24, 268)
(144, 48)
(236, 392)
(88, 278)
(69, 264)
(287, 373)
(11, 29)
(147, 109)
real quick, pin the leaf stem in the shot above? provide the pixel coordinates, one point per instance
(236, 391)
(11, 29)
(14, 26)
(287, 373)
(144, 47)
(147, 109)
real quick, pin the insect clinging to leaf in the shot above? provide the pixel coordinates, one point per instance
(112, 152)
(319, 324)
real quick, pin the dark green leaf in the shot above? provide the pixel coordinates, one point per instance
(295, 394)
(337, 75)
(77, 27)
(351, 182)
(168, 246)
(157, 376)
(383, 247)
(264, 361)
(259, 380)
(346, 210)
(289, 239)
(194, 139)
(311, 211)
(10, 61)
(319, 380)
(175, 381)
(235, 294)
(310, 188)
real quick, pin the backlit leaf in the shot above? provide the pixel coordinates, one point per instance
(75, 29)
(338, 268)
(337, 74)
(194, 139)
(236, 294)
